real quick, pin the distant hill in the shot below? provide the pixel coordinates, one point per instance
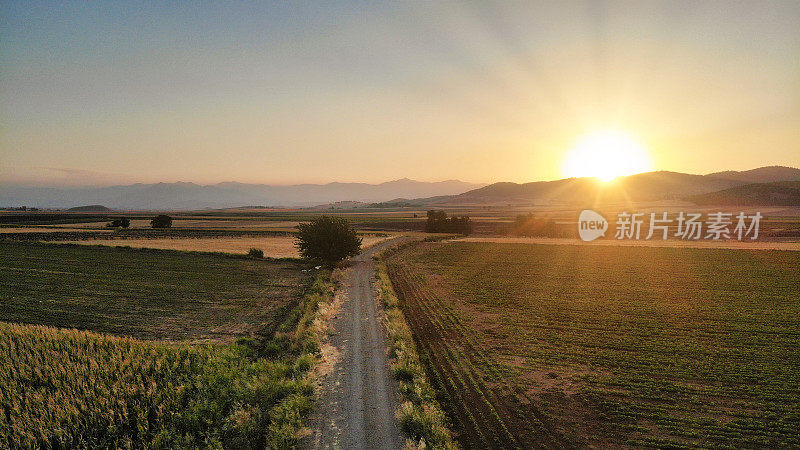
(641, 187)
(767, 174)
(185, 196)
(90, 208)
(781, 193)
(648, 186)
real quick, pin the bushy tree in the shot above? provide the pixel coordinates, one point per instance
(122, 222)
(328, 240)
(438, 222)
(161, 221)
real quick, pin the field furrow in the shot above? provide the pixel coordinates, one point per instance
(561, 346)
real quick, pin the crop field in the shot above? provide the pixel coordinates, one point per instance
(272, 246)
(212, 351)
(146, 294)
(565, 345)
(74, 389)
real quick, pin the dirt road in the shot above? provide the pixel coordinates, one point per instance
(358, 394)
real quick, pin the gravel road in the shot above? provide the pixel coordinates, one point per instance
(358, 394)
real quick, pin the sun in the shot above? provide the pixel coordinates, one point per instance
(605, 155)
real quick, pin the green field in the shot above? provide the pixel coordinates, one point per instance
(143, 293)
(182, 382)
(562, 345)
(72, 389)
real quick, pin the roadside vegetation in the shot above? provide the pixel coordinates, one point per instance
(246, 387)
(420, 416)
(561, 345)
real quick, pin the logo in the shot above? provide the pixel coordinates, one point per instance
(591, 225)
(718, 226)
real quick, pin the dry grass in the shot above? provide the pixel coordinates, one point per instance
(273, 246)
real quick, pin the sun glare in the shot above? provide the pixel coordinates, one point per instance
(606, 155)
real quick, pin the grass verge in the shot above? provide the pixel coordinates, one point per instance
(420, 415)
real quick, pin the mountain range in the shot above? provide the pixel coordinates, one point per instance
(650, 186)
(187, 196)
(758, 186)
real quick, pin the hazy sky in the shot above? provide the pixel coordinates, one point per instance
(100, 93)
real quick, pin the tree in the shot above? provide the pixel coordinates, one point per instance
(439, 223)
(328, 240)
(161, 221)
(122, 222)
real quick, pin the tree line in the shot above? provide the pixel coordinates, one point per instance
(438, 222)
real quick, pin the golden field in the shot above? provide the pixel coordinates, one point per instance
(272, 246)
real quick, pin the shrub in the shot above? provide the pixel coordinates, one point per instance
(161, 221)
(255, 253)
(328, 240)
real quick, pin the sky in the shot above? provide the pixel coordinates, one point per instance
(98, 93)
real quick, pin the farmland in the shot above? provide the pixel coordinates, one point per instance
(154, 348)
(144, 294)
(562, 345)
(73, 389)
(272, 246)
